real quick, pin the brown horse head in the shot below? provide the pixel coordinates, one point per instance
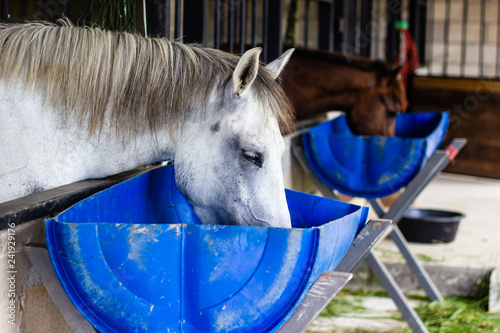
(370, 91)
(374, 112)
(392, 90)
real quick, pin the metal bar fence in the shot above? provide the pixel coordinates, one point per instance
(254, 23)
(430, 36)
(482, 38)
(393, 15)
(325, 21)
(217, 21)
(275, 40)
(243, 21)
(265, 29)
(349, 38)
(156, 19)
(193, 26)
(376, 28)
(422, 31)
(446, 37)
(6, 11)
(64, 9)
(468, 31)
(343, 25)
(463, 37)
(457, 44)
(177, 20)
(338, 35)
(230, 25)
(497, 65)
(86, 12)
(306, 23)
(365, 30)
(23, 11)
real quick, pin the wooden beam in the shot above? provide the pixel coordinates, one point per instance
(458, 84)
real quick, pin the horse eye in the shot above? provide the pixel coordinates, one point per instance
(252, 157)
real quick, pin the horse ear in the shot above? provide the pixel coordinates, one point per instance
(277, 65)
(394, 75)
(246, 71)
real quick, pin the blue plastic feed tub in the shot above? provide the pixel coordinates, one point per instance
(373, 166)
(134, 258)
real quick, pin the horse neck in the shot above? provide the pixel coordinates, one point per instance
(109, 152)
(151, 147)
(319, 86)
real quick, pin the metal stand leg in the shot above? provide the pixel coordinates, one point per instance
(361, 250)
(362, 244)
(419, 271)
(330, 283)
(423, 277)
(436, 164)
(321, 293)
(395, 293)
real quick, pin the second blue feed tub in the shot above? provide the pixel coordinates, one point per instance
(373, 166)
(134, 258)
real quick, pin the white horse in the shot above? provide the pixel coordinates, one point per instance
(78, 103)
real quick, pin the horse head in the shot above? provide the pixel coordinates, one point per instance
(376, 109)
(392, 90)
(228, 165)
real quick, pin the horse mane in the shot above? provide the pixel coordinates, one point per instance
(361, 63)
(142, 81)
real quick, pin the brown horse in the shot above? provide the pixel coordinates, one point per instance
(371, 92)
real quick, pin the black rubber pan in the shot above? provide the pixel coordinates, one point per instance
(430, 225)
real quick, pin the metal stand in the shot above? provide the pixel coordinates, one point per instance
(324, 289)
(362, 245)
(438, 161)
(321, 293)
(330, 283)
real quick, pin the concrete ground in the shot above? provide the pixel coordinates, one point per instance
(376, 314)
(476, 246)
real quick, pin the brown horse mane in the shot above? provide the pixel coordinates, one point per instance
(361, 63)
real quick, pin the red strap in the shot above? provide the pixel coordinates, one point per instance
(410, 57)
(451, 152)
